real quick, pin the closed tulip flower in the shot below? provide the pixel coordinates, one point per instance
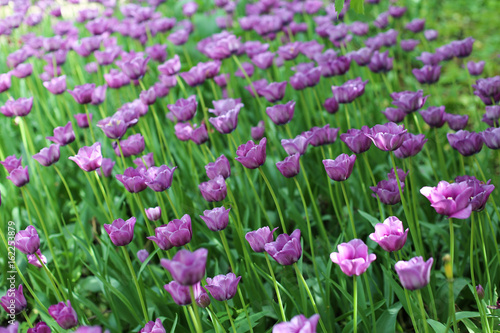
(133, 145)
(331, 105)
(27, 241)
(434, 116)
(106, 167)
(19, 176)
(135, 68)
(448, 199)
(171, 66)
(133, 180)
(297, 145)
(412, 145)
(427, 74)
(11, 162)
(467, 143)
(181, 294)
(40, 327)
(286, 250)
(214, 190)
(142, 255)
(56, 85)
(219, 167)
(456, 122)
(281, 114)
(187, 268)
(387, 137)
(121, 232)
(273, 92)
(259, 238)
(390, 235)
(415, 273)
(258, 131)
(409, 101)
(226, 123)
(217, 218)
(298, 324)
(290, 166)
(481, 191)
(33, 260)
(82, 120)
(17, 107)
(63, 135)
(83, 94)
(475, 68)
(349, 91)
(184, 109)
(175, 233)
(353, 257)
(153, 213)
(388, 191)
(251, 155)
(14, 302)
(491, 137)
(341, 168)
(356, 140)
(223, 287)
(64, 315)
(48, 156)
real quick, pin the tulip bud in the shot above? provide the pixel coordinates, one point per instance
(448, 267)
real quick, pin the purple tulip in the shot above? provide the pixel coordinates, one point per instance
(434, 116)
(297, 145)
(133, 180)
(394, 115)
(153, 213)
(114, 127)
(187, 268)
(467, 143)
(223, 287)
(216, 219)
(481, 191)
(362, 56)
(390, 235)
(415, 273)
(19, 176)
(5, 82)
(448, 199)
(179, 37)
(281, 114)
(431, 34)
(259, 84)
(214, 190)
(298, 324)
(397, 12)
(273, 92)
(257, 132)
(171, 66)
(184, 109)
(455, 121)
(380, 62)
(82, 120)
(17, 107)
(175, 233)
(157, 52)
(250, 155)
(133, 145)
(412, 145)
(319, 136)
(106, 167)
(349, 91)
(88, 158)
(22, 70)
(226, 123)
(491, 138)
(221, 80)
(382, 20)
(388, 191)
(353, 257)
(148, 97)
(135, 68)
(145, 161)
(48, 156)
(409, 101)
(359, 28)
(304, 79)
(160, 89)
(480, 291)
(219, 167)
(121, 232)
(142, 255)
(14, 302)
(427, 74)
(64, 315)
(335, 67)
(248, 69)
(116, 79)
(63, 135)
(409, 44)
(159, 179)
(33, 260)
(416, 25)
(286, 250)
(488, 90)
(11, 163)
(290, 167)
(83, 94)
(387, 137)
(331, 105)
(263, 60)
(341, 168)
(40, 327)
(462, 48)
(181, 294)
(259, 238)
(475, 68)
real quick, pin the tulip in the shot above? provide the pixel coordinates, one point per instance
(341, 168)
(226, 123)
(214, 190)
(11, 163)
(416, 25)
(290, 167)
(390, 235)
(133, 180)
(181, 294)
(448, 199)
(56, 85)
(171, 66)
(106, 167)
(286, 250)
(121, 232)
(142, 255)
(64, 315)
(467, 143)
(17, 107)
(83, 94)
(409, 44)
(175, 233)
(412, 145)
(427, 74)
(219, 167)
(299, 324)
(133, 145)
(187, 268)
(40, 327)
(153, 213)
(48, 156)
(223, 287)
(184, 109)
(63, 135)
(257, 132)
(33, 260)
(415, 273)
(216, 219)
(88, 158)
(387, 137)
(82, 120)
(281, 114)
(273, 92)
(14, 302)
(19, 176)
(481, 191)
(135, 68)
(455, 121)
(353, 257)
(356, 140)
(387, 191)
(409, 101)
(434, 116)
(462, 48)
(297, 145)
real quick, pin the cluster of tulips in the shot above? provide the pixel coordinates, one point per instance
(138, 177)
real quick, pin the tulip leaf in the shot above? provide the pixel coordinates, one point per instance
(373, 220)
(358, 6)
(466, 314)
(437, 326)
(339, 5)
(387, 321)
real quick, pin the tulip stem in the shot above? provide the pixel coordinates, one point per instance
(27, 319)
(440, 153)
(205, 116)
(229, 316)
(51, 278)
(410, 309)
(90, 125)
(355, 306)
(485, 255)
(370, 298)
(134, 277)
(422, 311)
(274, 198)
(278, 295)
(450, 279)
(172, 205)
(226, 248)
(104, 194)
(313, 302)
(351, 218)
(197, 321)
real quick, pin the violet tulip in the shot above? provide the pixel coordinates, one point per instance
(387, 191)
(481, 191)
(17, 107)
(63, 135)
(56, 85)
(448, 199)
(19, 176)
(281, 114)
(467, 143)
(409, 101)
(434, 116)
(27, 241)
(353, 257)
(187, 268)
(273, 92)
(257, 239)
(64, 315)
(88, 158)
(177, 232)
(341, 168)
(184, 109)
(475, 68)
(251, 155)
(153, 213)
(217, 218)
(390, 235)
(219, 167)
(83, 94)
(286, 250)
(48, 156)
(349, 91)
(82, 120)
(427, 74)
(33, 260)
(153, 327)
(121, 232)
(290, 166)
(297, 145)
(415, 273)
(412, 145)
(223, 287)
(133, 180)
(387, 137)
(456, 122)
(182, 296)
(214, 190)
(298, 324)
(11, 162)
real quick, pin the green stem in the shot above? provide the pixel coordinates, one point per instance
(51, 278)
(226, 248)
(274, 198)
(134, 278)
(351, 217)
(27, 319)
(278, 295)
(355, 306)
(410, 309)
(370, 298)
(450, 281)
(230, 317)
(197, 321)
(90, 127)
(422, 311)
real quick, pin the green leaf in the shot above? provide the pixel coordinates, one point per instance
(387, 321)
(373, 220)
(437, 326)
(358, 6)
(466, 314)
(339, 5)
